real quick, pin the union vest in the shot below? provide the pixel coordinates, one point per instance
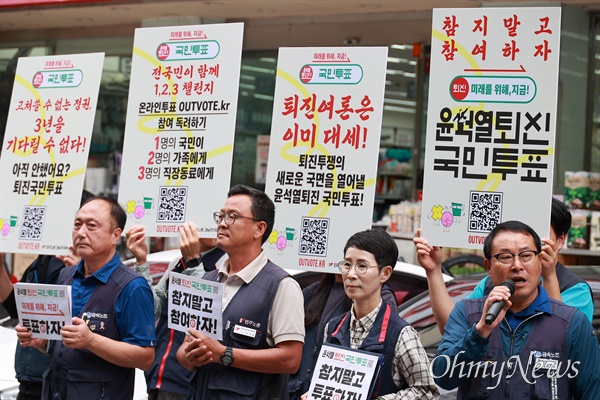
(249, 308)
(166, 373)
(381, 339)
(79, 374)
(544, 354)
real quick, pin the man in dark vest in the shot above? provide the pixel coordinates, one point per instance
(112, 330)
(535, 348)
(167, 379)
(263, 314)
(560, 283)
(30, 364)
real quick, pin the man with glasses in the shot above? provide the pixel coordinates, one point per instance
(536, 347)
(560, 283)
(263, 314)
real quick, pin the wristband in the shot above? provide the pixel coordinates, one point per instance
(193, 262)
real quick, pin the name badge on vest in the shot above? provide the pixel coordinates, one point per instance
(245, 331)
(93, 320)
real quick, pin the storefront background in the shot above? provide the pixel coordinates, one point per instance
(578, 130)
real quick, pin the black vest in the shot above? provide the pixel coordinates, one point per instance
(547, 344)
(250, 307)
(381, 339)
(79, 374)
(166, 373)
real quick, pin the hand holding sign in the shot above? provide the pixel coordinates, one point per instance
(78, 335)
(70, 259)
(199, 348)
(26, 339)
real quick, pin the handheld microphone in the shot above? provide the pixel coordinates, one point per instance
(497, 306)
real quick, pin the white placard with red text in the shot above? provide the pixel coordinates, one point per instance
(195, 303)
(323, 153)
(179, 134)
(491, 122)
(43, 309)
(348, 373)
(45, 151)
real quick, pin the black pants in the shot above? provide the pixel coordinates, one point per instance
(30, 391)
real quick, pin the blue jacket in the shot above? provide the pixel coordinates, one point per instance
(462, 345)
(574, 291)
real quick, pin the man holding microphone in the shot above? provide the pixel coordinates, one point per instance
(536, 348)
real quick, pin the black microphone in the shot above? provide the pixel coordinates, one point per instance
(497, 306)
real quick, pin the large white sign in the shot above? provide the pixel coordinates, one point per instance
(348, 373)
(323, 151)
(45, 151)
(43, 309)
(179, 134)
(195, 303)
(491, 122)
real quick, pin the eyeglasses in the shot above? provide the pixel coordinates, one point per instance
(527, 257)
(229, 218)
(361, 268)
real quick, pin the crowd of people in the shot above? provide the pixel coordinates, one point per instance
(538, 343)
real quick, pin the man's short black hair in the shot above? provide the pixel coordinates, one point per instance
(560, 218)
(117, 212)
(262, 208)
(511, 226)
(377, 242)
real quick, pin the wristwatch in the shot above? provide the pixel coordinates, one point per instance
(227, 357)
(193, 262)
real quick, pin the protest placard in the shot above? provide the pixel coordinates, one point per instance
(43, 309)
(178, 145)
(195, 303)
(323, 152)
(491, 122)
(344, 373)
(45, 151)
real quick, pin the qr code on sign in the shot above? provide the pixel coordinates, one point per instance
(485, 211)
(171, 204)
(32, 224)
(313, 236)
